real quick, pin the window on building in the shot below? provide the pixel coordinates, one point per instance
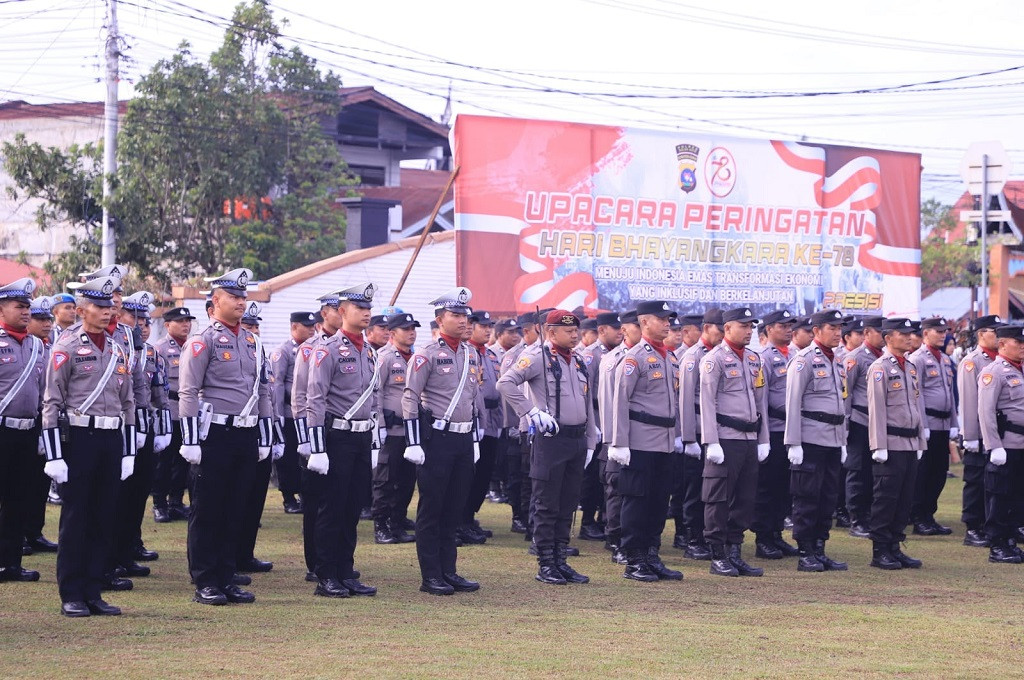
(369, 175)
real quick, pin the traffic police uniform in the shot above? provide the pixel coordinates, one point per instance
(341, 406)
(488, 407)
(223, 368)
(171, 475)
(896, 439)
(773, 500)
(858, 465)
(971, 366)
(644, 435)
(557, 386)
(733, 409)
(815, 434)
(88, 399)
(37, 483)
(438, 408)
(22, 362)
(283, 364)
(937, 376)
(394, 478)
(1001, 410)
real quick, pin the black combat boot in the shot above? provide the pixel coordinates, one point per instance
(658, 567)
(976, 538)
(547, 566)
(744, 569)
(568, 573)
(808, 559)
(721, 565)
(785, 548)
(766, 548)
(382, 532)
(1001, 552)
(905, 561)
(881, 557)
(637, 568)
(829, 563)
(696, 547)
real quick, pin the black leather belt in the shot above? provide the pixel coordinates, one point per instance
(173, 394)
(936, 413)
(906, 432)
(779, 413)
(862, 409)
(648, 419)
(822, 417)
(737, 424)
(696, 407)
(572, 431)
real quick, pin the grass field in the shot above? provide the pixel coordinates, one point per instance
(959, 616)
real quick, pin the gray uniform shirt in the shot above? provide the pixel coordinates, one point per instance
(776, 368)
(817, 384)
(732, 386)
(391, 385)
(219, 367)
(1001, 388)
(857, 364)
(170, 351)
(689, 392)
(300, 374)
(967, 377)
(592, 356)
(936, 388)
(608, 371)
(14, 360)
(282, 361)
(509, 417)
(339, 374)
(894, 399)
(433, 378)
(155, 369)
(646, 382)
(76, 368)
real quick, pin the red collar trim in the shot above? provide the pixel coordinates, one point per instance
(736, 349)
(659, 347)
(452, 343)
(355, 338)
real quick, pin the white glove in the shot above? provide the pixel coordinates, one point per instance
(375, 439)
(262, 452)
(542, 421)
(954, 432)
(127, 467)
(971, 445)
(620, 454)
(382, 434)
(590, 457)
(318, 463)
(996, 457)
(880, 455)
(414, 454)
(374, 458)
(57, 470)
(277, 450)
(600, 437)
(919, 454)
(42, 446)
(476, 452)
(842, 455)
(692, 449)
(927, 433)
(796, 455)
(762, 452)
(678, 446)
(192, 454)
(140, 440)
(304, 450)
(161, 442)
(715, 453)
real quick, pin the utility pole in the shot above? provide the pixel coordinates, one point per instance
(110, 111)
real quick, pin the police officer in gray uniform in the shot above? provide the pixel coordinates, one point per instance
(341, 406)
(557, 402)
(283, 362)
(815, 435)
(440, 420)
(971, 366)
(22, 361)
(227, 428)
(38, 484)
(1001, 410)
(520, 442)
(488, 406)
(171, 474)
(896, 439)
(734, 428)
(644, 435)
(858, 456)
(936, 372)
(773, 500)
(87, 402)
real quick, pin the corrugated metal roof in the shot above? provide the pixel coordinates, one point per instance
(950, 303)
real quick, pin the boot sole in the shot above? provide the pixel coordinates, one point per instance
(550, 581)
(885, 567)
(640, 580)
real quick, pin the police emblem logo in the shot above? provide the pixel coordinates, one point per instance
(108, 287)
(419, 362)
(896, 385)
(463, 295)
(798, 365)
(709, 366)
(275, 356)
(986, 378)
(524, 362)
(630, 366)
(197, 348)
(226, 356)
(368, 293)
(306, 351)
(242, 280)
(655, 375)
(690, 365)
(878, 376)
(320, 355)
(733, 373)
(588, 359)
(822, 374)
(687, 155)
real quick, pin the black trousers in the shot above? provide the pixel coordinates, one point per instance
(342, 494)
(526, 490)
(892, 496)
(514, 483)
(857, 471)
(592, 491)
(19, 459)
(222, 481)
(686, 506)
(394, 479)
(612, 501)
(481, 483)
(289, 480)
(252, 510)
(772, 503)
(557, 473)
(310, 509)
(444, 480)
(815, 487)
(499, 475)
(131, 506)
(729, 491)
(38, 490)
(931, 477)
(973, 512)
(644, 487)
(87, 512)
(172, 472)
(1004, 485)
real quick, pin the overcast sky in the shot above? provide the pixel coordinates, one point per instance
(702, 66)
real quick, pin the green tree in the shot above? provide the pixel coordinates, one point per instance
(198, 139)
(945, 262)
